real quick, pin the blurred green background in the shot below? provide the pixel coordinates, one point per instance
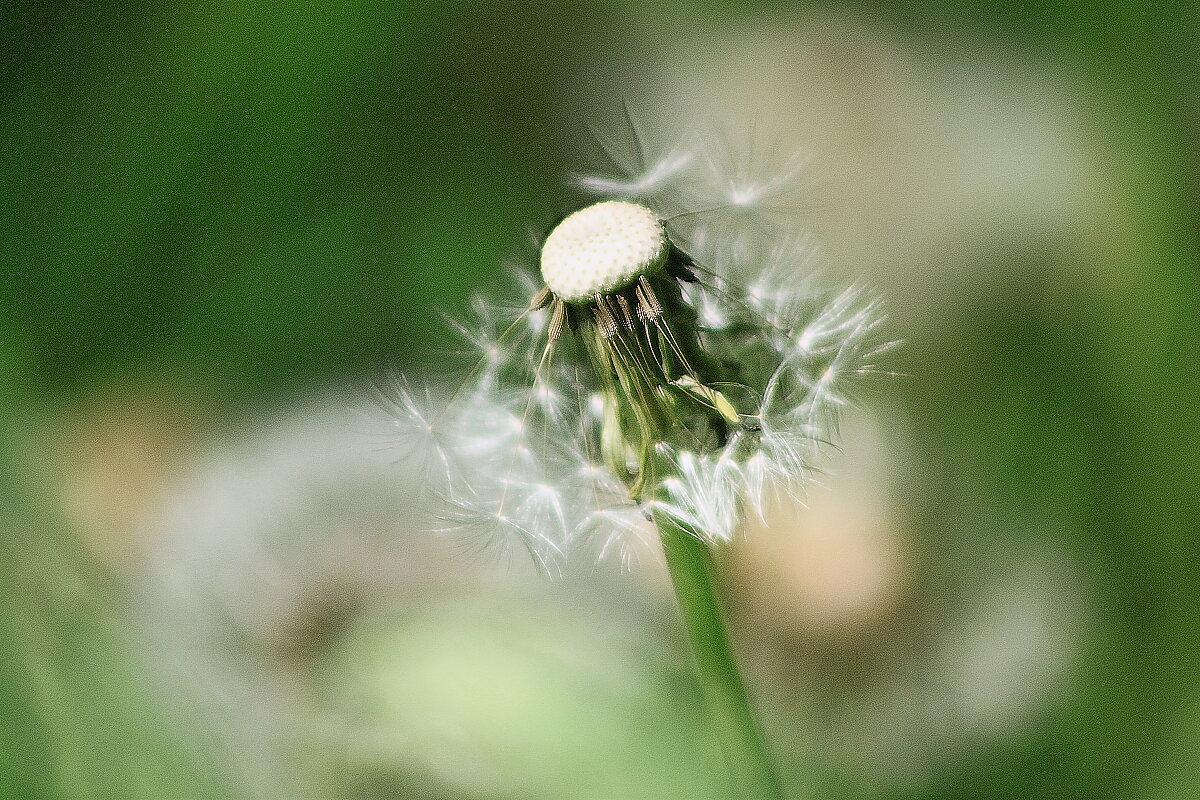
(214, 217)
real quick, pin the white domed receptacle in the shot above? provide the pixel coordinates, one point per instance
(603, 248)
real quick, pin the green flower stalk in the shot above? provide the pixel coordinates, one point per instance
(668, 369)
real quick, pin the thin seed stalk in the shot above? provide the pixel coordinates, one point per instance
(657, 379)
(690, 564)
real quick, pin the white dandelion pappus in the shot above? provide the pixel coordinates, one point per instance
(672, 355)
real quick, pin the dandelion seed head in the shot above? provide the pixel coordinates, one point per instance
(602, 248)
(674, 354)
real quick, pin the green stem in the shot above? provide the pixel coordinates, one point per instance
(691, 568)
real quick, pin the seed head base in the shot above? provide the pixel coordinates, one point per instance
(602, 249)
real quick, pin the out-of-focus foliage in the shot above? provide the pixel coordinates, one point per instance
(257, 191)
(234, 203)
(77, 719)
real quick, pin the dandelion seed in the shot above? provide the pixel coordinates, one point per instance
(670, 355)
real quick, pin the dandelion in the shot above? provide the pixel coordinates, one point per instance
(658, 360)
(669, 368)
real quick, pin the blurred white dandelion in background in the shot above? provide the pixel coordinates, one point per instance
(313, 636)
